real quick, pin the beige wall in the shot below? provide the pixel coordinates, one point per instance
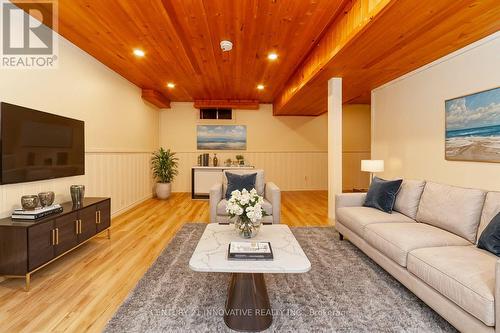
(120, 129)
(356, 145)
(264, 131)
(408, 117)
(292, 150)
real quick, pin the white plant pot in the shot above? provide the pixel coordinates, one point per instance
(163, 190)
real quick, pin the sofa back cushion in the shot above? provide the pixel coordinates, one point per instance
(408, 197)
(490, 209)
(452, 208)
(259, 180)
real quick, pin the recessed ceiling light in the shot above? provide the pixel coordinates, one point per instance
(139, 53)
(171, 85)
(260, 87)
(272, 56)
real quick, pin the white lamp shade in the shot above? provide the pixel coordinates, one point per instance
(372, 165)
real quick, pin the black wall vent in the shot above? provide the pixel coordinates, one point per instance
(216, 113)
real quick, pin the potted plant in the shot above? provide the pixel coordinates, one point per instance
(164, 166)
(240, 159)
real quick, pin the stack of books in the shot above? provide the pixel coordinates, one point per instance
(21, 214)
(250, 251)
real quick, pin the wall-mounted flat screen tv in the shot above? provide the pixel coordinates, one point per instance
(37, 145)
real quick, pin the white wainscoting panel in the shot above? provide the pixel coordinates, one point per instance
(291, 171)
(123, 176)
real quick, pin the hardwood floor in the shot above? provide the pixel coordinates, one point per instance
(81, 291)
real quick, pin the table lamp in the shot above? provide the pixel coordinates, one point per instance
(372, 166)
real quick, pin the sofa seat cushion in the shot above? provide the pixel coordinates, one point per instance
(396, 240)
(221, 207)
(464, 274)
(357, 218)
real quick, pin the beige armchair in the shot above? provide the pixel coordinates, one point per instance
(271, 193)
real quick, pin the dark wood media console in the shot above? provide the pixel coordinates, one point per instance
(26, 247)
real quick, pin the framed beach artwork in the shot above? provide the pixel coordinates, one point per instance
(473, 127)
(221, 137)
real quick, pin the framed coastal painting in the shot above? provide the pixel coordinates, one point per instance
(221, 137)
(473, 127)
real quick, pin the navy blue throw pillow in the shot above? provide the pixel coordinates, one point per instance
(239, 182)
(490, 238)
(382, 194)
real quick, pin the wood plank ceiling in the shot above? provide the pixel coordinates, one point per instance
(181, 41)
(367, 42)
(374, 42)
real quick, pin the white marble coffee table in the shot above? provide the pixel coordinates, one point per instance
(247, 305)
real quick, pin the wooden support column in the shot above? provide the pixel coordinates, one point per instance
(334, 143)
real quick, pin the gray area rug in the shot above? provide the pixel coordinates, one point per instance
(345, 291)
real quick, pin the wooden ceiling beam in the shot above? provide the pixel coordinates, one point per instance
(370, 46)
(355, 17)
(156, 98)
(252, 104)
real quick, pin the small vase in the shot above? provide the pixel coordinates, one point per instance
(77, 194)
(247, 228)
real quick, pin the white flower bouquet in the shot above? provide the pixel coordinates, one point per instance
(246, 207)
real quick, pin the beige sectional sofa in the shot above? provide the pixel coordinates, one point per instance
(429, 244)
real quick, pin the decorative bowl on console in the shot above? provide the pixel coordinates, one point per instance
(46, 198)
(29, 202)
